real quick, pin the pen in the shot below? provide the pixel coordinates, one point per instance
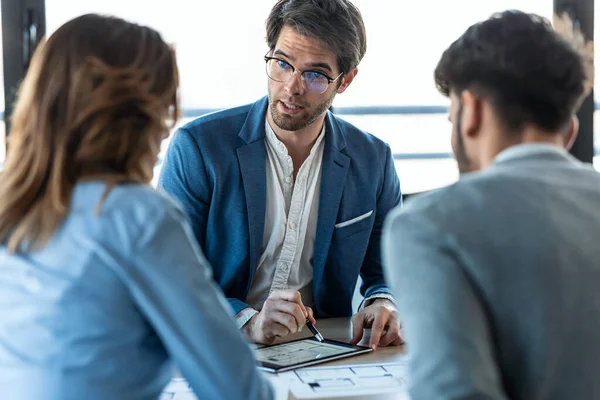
(314, 331)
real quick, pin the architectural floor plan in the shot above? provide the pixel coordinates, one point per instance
(350, 381)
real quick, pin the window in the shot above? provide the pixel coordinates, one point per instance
(205, 34)
(200, 34)
(405, 41)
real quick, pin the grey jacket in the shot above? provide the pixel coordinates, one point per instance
(497, 280)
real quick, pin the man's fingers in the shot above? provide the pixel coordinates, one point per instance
(273, 319)
(273, 329)
(390, 335)
(311, 318)
(379, 323)
(289, 308)
(397, 342)
(265, 330)
(358, 324)
(293, 296)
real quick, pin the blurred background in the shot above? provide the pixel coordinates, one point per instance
(220, 47)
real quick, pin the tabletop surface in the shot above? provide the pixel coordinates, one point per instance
(333, 328)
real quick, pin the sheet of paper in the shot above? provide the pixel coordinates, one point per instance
(363, 381)
(353, 382)
(178, 389)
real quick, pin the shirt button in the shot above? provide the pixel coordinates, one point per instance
(293, 225)
(288, 179)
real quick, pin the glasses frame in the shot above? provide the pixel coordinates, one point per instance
(294, 70)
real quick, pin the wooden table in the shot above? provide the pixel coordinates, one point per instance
(339, 329)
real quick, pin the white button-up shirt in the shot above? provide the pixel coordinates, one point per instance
(292, 208)
(291, 212)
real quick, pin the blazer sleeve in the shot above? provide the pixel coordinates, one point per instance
(184, 177)
(445, 324)
(373, 281)
(171, 282)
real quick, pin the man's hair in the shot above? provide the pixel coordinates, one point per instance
(336, 23)
(530, 73)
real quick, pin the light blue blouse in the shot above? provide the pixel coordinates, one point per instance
(107, 306)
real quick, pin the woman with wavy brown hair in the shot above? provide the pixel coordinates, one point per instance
(101, 281)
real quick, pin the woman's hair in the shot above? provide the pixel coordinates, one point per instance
(96, 101)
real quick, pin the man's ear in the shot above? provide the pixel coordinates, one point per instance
(347, 80)
(471, 113)
(571, 133)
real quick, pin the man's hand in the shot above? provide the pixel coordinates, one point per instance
(381, 316)
(282, 314)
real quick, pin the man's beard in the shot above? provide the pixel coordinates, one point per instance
(294, 123)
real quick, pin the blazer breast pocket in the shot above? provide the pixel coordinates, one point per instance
(353, 225)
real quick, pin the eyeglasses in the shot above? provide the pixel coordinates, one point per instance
(282, 71)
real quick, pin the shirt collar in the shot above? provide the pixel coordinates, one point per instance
(527, 150)
(278, 145)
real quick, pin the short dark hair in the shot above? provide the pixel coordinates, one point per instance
(336, 23)
(529, 72)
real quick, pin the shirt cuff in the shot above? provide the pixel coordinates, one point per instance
(370, 299)
(244, 316)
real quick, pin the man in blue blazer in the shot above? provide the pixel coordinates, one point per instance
(286, 199)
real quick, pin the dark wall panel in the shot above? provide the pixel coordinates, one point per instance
(23, 26)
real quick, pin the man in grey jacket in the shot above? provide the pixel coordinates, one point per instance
(497, 277)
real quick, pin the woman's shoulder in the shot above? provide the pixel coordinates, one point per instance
(133, 203)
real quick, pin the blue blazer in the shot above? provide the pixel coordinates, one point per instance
(216, 167)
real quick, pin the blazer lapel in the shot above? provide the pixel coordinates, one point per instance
(252, 160)
(333, 179)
